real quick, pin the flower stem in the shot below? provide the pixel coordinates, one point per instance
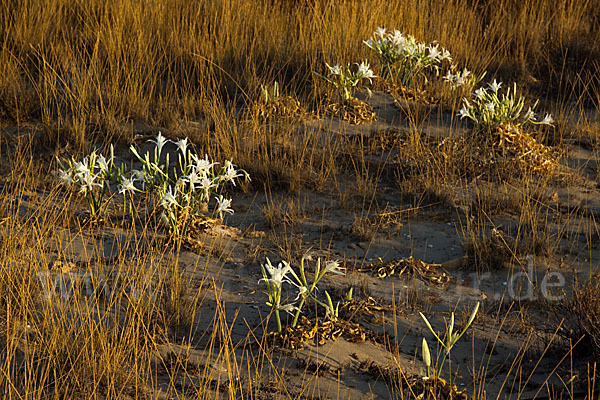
(278, 319)
(295, 321)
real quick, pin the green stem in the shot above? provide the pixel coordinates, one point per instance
(277, 318)
(295, 321)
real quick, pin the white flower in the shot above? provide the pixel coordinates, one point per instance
(490, 107)
(205, 183)
(480, 93)
(277, 274)
(445, 55)
(182, 145)
(494, 86)
(380, 32)
(81, 167)
(169, 199)
(66, 176)
(102, 164)
(364, 71)
(335, 70)
(87, 181)
(434, 53)
(223, 206)
(463, 112)
(302, 290)
(398, 38)
(193, 178)
(230, 173)
(548, 120)
(203, 165)
(334, 267)
(127, 186)
(449, 77)
(288, 308)
(160, 141)
(529, 115)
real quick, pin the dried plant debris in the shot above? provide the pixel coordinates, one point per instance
(318, 332)
(432, 388)
(368, 307)
(503, 150)
(387, 139)
(282, 107)
(409, 268)
(522, 147)
(402, 93)
(355, 111)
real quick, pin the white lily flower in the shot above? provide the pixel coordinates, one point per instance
(277, 274)
(334, 267)
(223, 206)
(203, 165)
(398, 39)
(449, 77)
(335, 70)
(288, 308)
(65, 176)
(87, 181)
(81, 167)
(230, 173)
(182, 145)
(193, 178)
(434, 53)
(102, 164)
(169, 199)
(548, 120)
(205, 184)
(160, 141)
(127, 186)
(494, 86)
(463, 112)
(490, 107)
(529, 115)
(364, 71)
(445, 55)
(380, 32)
(480, 93)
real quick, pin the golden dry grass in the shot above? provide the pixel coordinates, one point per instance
(78, 74)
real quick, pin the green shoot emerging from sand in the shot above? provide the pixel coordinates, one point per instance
(451, 339)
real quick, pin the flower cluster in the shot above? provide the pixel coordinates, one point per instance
(274, 277)
(489, 109)
(403, 59)
(93, 176)
(184, 189)
(347, 81)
